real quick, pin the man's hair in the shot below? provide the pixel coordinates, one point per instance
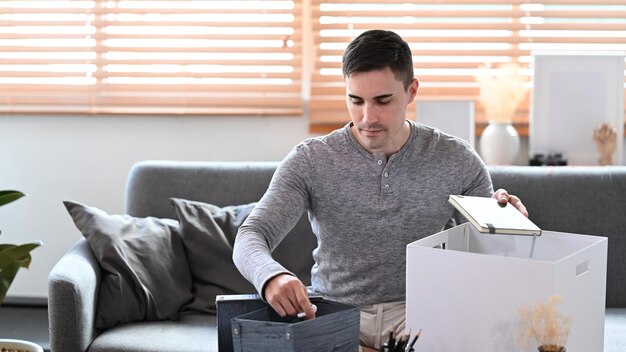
(376, 50)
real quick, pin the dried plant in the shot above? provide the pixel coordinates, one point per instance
(501, 91)
(545, 324)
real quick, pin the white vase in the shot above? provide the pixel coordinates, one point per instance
(499, 144)
(20, 345)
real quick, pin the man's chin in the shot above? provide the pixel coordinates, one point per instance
(371, 144)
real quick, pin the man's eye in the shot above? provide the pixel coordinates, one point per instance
(384, 102)
(357, 102)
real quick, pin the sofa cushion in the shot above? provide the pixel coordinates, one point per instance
(145, 274)
(191, 333)
(208, 233)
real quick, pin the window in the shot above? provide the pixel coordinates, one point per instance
(450, 40)
(235, 57)
(146, 57)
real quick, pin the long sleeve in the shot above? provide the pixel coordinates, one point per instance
(275, 215)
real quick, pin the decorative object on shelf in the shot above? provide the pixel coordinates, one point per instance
(545, 324)
(552, 349)
(605, 138)
(552, 159)
(501, 91)
(12, 257)
(499, 144)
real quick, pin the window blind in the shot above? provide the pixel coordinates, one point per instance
(451, 40)
(151, 57)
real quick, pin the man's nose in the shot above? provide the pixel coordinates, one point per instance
(369, 113)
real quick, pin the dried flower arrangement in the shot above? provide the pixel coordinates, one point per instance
(545, 324)
(501, 91)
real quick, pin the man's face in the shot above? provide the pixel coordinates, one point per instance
(377, 104)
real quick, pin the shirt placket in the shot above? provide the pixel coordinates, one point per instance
(385, 181)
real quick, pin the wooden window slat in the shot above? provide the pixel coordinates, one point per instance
(451, 40)
(131, 56)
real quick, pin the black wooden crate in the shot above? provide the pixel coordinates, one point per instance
(228, 307)
(335, 328)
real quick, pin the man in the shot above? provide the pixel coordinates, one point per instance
(369, 188)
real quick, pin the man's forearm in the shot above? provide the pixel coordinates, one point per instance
(253, 258)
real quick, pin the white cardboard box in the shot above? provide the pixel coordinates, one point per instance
(466, 297)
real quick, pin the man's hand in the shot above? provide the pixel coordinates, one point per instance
(503, 197)
(288, 296)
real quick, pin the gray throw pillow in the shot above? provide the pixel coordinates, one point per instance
(208, 233)
(144, 269)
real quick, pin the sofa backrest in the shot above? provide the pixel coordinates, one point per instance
(583, 200)
(151, 184)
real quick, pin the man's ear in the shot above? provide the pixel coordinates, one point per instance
(413, 89)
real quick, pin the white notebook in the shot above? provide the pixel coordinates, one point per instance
(487, 215)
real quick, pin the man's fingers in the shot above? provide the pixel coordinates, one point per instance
(501, 195)
(288, 296)
(517, 203)
(284, 306)
(305, 304)
(278, 307)
(313, 308)
(291, 303)
(281, 305)
(282, 293)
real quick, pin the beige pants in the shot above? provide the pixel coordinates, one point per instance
(378, 319)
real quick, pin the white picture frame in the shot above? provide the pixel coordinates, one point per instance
(455, 117)
(573, 93)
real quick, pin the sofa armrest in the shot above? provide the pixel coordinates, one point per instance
(72, 296)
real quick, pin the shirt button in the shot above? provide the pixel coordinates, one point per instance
(380, 162)
(386, 174)
(386, 186)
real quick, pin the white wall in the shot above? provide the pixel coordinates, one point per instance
(87, 159)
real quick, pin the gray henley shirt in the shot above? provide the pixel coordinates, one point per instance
(364, 209)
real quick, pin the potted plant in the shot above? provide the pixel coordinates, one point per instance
(12, 258)
(501, 91)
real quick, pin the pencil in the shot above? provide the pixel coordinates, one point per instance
(391, 343)
(401, 343)
(410, 347)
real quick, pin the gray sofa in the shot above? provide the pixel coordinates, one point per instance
(569, 199)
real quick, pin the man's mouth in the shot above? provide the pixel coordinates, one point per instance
(371, 132)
